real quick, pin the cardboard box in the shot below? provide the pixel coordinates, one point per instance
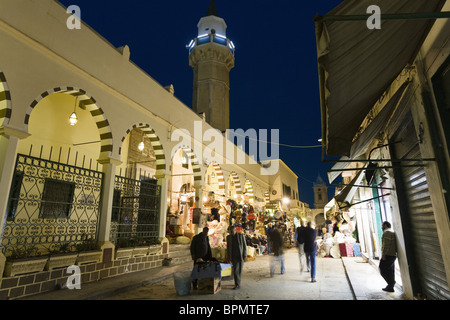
(209, 285)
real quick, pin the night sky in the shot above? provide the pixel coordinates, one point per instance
(274, 84)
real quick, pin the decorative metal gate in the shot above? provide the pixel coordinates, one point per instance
(135, 215)
(51, 203)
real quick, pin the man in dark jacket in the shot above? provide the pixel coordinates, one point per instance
(237, 253)
(269, 230)
(309, 237)
(200, 250)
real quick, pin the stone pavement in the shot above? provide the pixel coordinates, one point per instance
(337, 279)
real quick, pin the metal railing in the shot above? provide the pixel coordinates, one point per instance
(51, 203)
(136, 212)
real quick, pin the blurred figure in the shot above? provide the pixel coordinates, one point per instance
(309, 236)
(299, 237)
(278, 254)
(237, 253)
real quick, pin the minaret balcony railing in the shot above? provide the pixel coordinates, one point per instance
(208, 38)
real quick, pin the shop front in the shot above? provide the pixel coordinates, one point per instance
(215, 211)
(182, 197)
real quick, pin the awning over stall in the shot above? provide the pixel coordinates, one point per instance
(344, 198)
(357, 64)
(375, 122)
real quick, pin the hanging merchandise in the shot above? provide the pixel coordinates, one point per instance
(278, 214)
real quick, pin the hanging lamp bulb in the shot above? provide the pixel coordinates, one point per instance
(141, 146)
(73, 119)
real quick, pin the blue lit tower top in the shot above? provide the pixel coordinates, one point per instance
(211, 56)
(211, 28)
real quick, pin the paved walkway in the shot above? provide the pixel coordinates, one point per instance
(337, 279)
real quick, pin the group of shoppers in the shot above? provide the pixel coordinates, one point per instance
(305, 237)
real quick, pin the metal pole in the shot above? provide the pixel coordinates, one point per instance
(381, 160)
(384, 167)
(399, 16)
(352, 204)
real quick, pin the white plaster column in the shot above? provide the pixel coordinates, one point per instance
(9, 144)
(109, 174)
(198, 204)
(163, 182)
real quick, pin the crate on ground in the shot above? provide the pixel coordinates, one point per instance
(209, 285)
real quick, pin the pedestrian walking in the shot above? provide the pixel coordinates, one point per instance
(236, 253)
(310, 247)
(301, 244)
(200, 250)
(278, 252)
(388, 256)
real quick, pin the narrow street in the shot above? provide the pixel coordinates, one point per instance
(332, 283)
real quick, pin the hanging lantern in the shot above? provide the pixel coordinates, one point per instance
(73, 119)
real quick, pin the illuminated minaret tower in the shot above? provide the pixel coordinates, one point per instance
(211, 56)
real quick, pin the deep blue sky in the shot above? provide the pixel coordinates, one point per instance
(274, 84)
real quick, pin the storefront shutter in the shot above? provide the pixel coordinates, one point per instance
(419, 212)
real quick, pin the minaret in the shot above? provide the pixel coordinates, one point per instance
(211, 56)
(320, 193)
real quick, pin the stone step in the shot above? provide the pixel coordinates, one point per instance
(180, 260)
(179, 247)
(176, 254)
(179, 254)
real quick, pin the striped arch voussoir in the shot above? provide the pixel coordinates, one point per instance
(156, 145)
(196, 168)
(249, 189)
(85, 102)
(5, 101)
(237, 182)
(220, 177)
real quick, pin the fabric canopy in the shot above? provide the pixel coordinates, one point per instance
(357, 64)
(344, 198)
(376, 121)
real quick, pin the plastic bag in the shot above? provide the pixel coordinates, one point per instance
(182, 282)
